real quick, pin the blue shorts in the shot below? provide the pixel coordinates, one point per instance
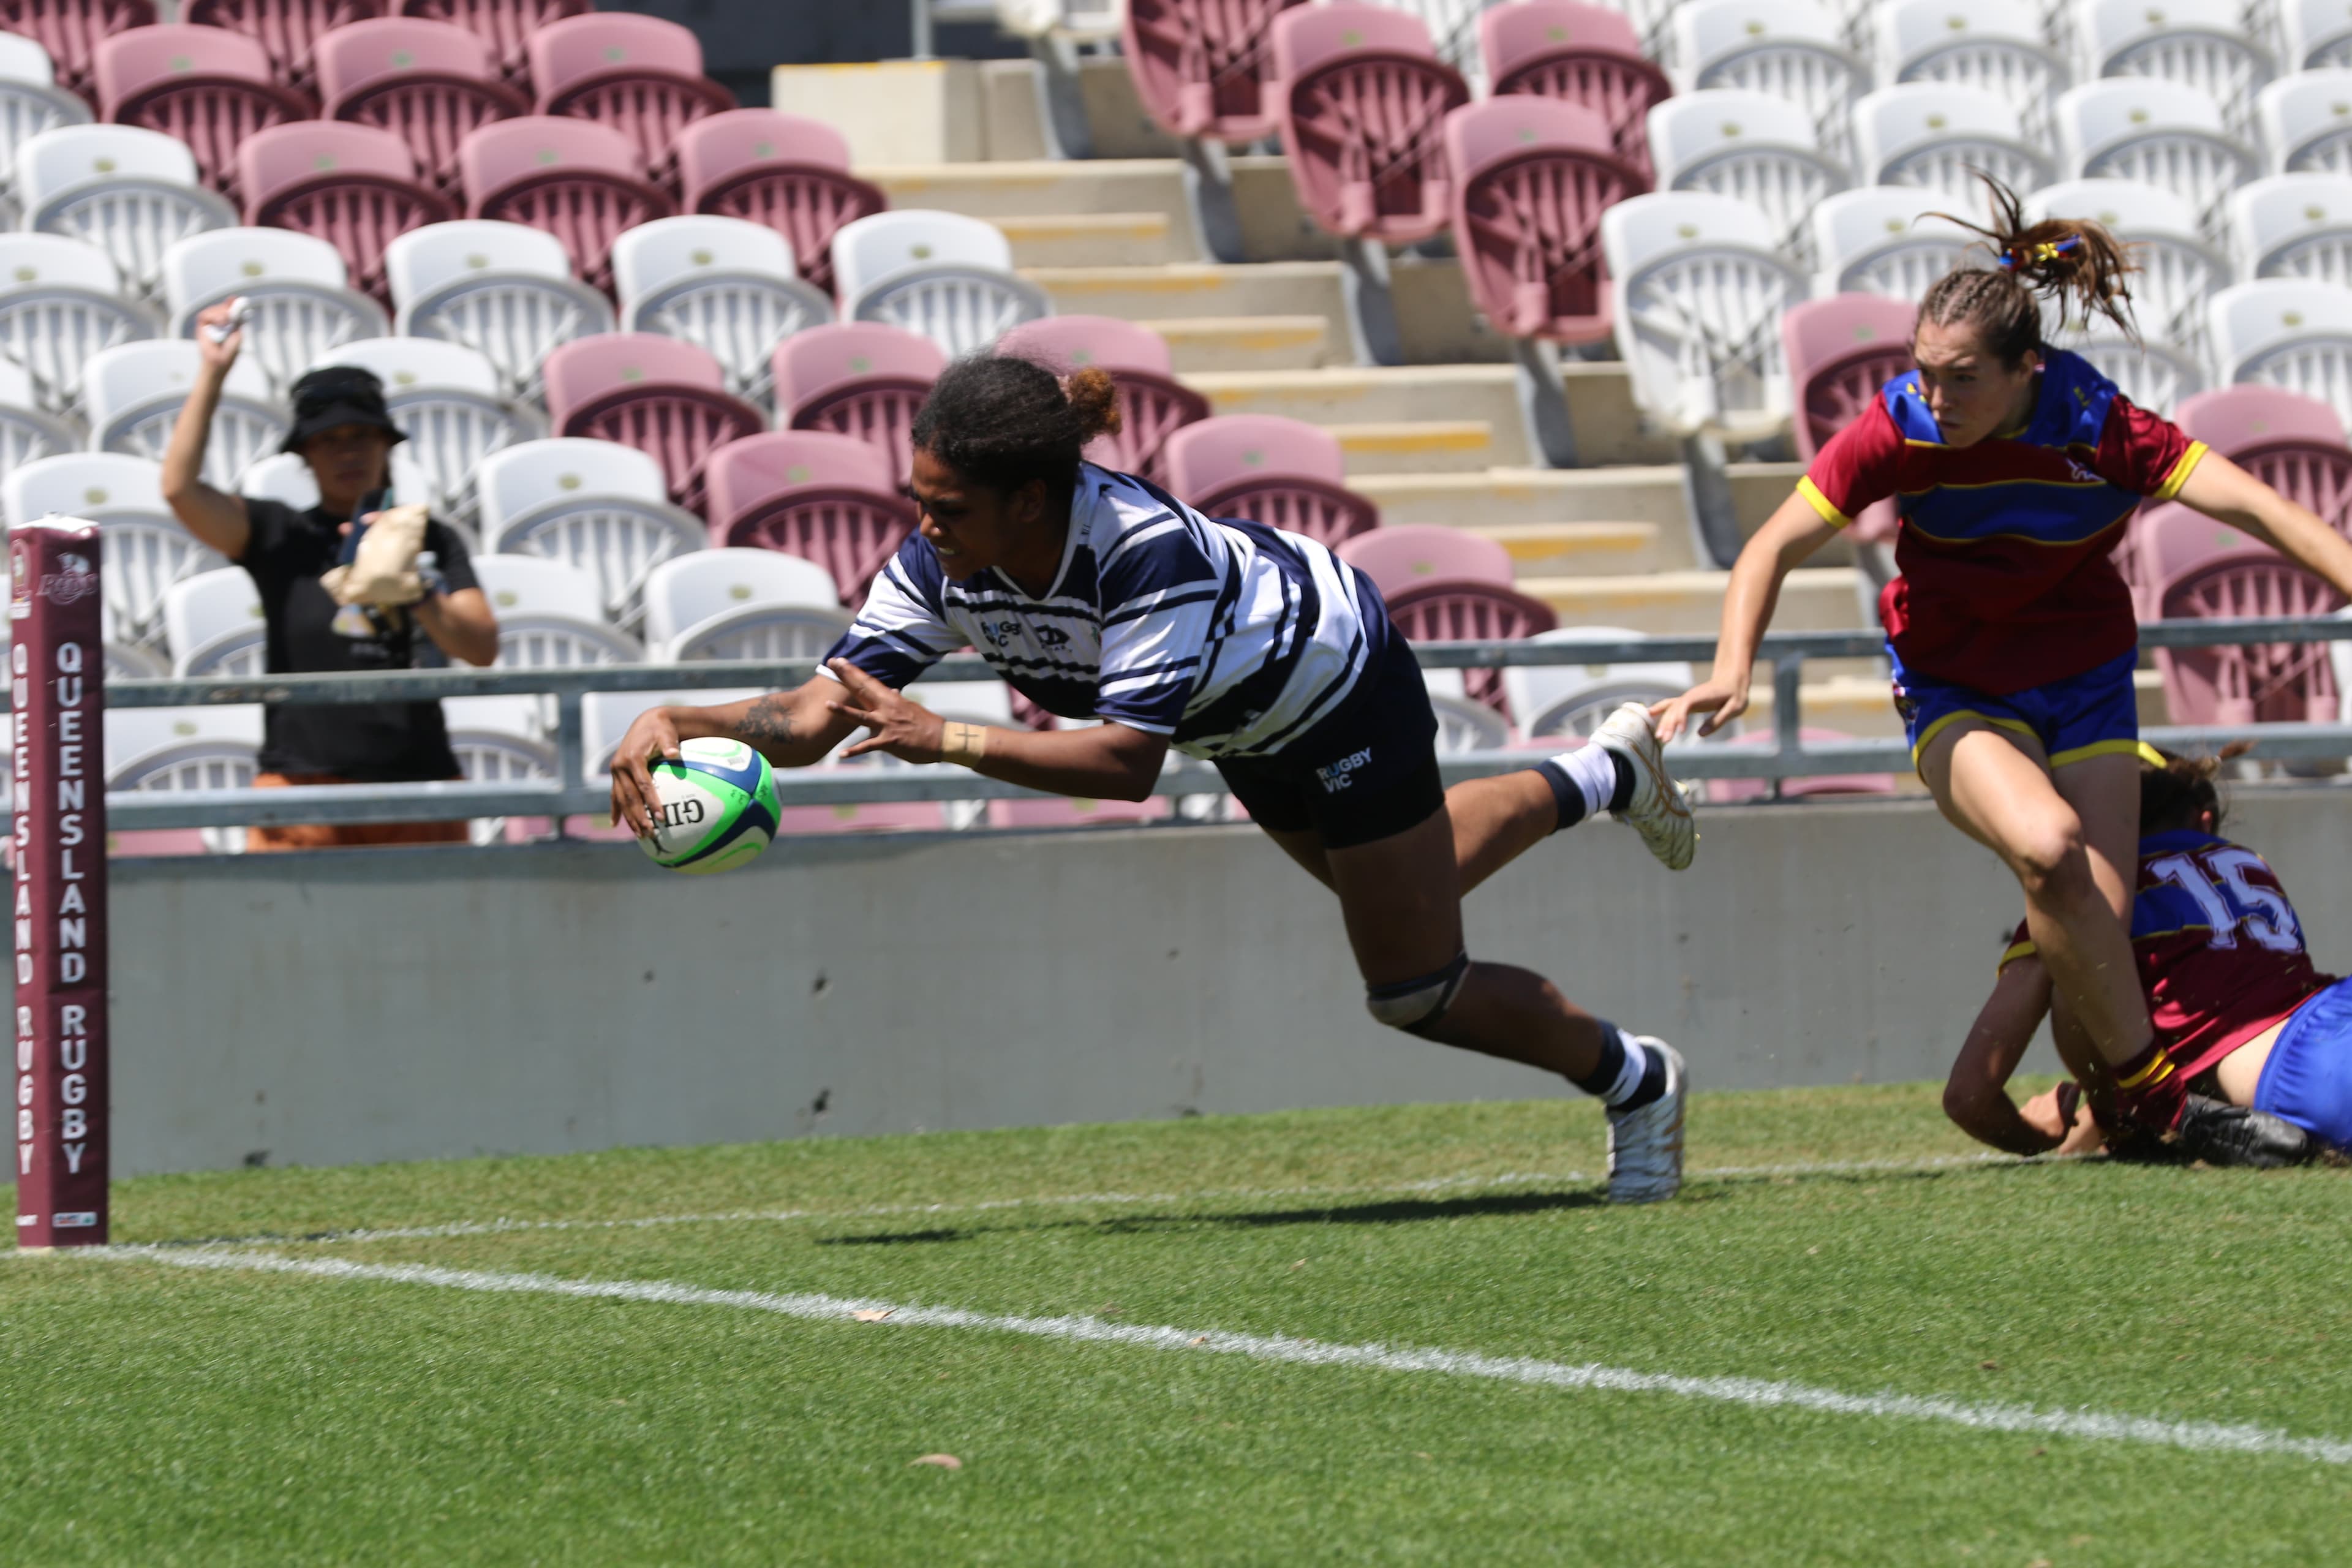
(2308, 1079)
(2094, 714)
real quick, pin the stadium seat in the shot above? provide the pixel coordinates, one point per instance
(70, 32)
(206, 85)
(1725, 792)
(289, 31)
(62, 301)
(1880, 239)
(1153, 403)
(945, 275)
(1464, 611)
(1531, 177)
(602, 507)
(722, 283)
(701, 600)
(2170, 539)
(2163, 133)
(2290, 442)
(1941, 137)
(501, 288)
(1204, 69)
(354, 186)
(133, 392)
(296, 284)
(2199, 44)
(2282, 331)
(1284, 473)
(146, 549)
(213, 624)
(158, 749)
(1463, 725)
(446, 399)
(1996, 45)
(506, 26)
(131, 193)
(1793, 49)
(125, 662)
(1564, 700)
(30, 103)
(640, 75)
(2295, 226)
(666, 398)
(606, 716)
(2180, 269)
(2306, 121)
(1579, 54)
(284, 478)
(857, 378)
(1417, 554)
(782, 171)
(1841, 351)
(550, 616)
(580, 182)
(429, 83)
(2291, 683)
(2318, 35)
(825, 498)
(28, 431)
(1751, 147)
(1362, 104)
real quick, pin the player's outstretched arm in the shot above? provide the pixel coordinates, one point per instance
(1788, 537)
(1976, 1096)
(1105, 762)
(2227, 493)
(793, 729)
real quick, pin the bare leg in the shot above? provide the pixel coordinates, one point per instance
(1995, 786)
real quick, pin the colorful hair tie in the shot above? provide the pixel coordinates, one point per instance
(2048, 250)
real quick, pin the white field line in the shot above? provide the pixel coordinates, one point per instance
(2200, 1437)
(1082, 1200)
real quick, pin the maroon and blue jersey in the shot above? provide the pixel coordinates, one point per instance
(2005, 549)
(2219, 950)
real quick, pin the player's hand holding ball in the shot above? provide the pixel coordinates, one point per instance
(696, 806)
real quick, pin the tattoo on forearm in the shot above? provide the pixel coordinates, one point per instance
(767, 722)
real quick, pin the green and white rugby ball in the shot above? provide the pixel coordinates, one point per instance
(718, 807)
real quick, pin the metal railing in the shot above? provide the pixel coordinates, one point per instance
(570, 793)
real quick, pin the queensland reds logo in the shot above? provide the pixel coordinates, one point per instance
(76, 581)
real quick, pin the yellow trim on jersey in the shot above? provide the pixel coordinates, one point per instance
(2017, 949)
(1927, 736)
(2139, 749)
(1822, 504)
(2180, 472)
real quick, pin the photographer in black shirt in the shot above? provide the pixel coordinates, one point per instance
(344, 431)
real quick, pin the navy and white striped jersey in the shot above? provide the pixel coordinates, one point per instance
(1230, 638)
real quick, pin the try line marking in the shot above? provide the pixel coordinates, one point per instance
(2198, 1436)
(1085, 1200)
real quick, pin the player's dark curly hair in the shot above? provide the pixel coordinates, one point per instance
(2180, 793)
(1003, 421)
(2071, 260)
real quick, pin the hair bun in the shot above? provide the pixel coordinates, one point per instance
(1093, 398)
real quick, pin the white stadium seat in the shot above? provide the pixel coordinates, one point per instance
(1882, 239)
(1996, 45)
(30, 103)
(1574, 698)
(1939, 137)
(2163, 133)
(62, 301)
(727, 285)
(1791, 48)
(741, 604)
(2306, 122)
(606, 716)
(157, 749)
(28, 431)
(1464, 723)
(941, 275)
(551, 615)
(598, 506)
(1748, 146)
(447, 399)
(285, 479)
(2286, 332)
(2318, 35)
(2200, 44)
(131, 192)
(500, 289)
(302, 304)
(2295, 226)
(2178, 271)
(132, 393)
(147, 550)
(213, 623)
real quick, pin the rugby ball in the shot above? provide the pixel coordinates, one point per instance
(718, 807)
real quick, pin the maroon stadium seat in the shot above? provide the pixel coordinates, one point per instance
(857, 378)
(666, 398)
(2291, 443)
(1153, 403)
(1531, 178)
(353, 186)
(1362, 108)
(430, 83)
(1841, 351)
(1471, 611)
(1419, 554)
(825, 498)
(210, 88)
(781, 171)
(505, 25)
(640, 75)
(288, 29)
(1284, 473)
(1578, 54)
(1201, 67)
(2260, 683)
(574, 179)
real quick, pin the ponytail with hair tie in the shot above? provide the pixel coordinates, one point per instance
(2073, 261)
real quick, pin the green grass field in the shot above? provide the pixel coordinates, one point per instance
(158, 1412)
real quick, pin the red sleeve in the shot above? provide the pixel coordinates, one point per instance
(2144, 453)
(1856, 468)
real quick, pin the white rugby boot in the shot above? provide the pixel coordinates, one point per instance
(1660, 812)
(1645, 1146)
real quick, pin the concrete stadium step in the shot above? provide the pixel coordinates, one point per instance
(1198, 289)
(1096, 239)
(1211, 344)
(1813, 598)
(1035, 187)
(1408, 445)
(1583, 549)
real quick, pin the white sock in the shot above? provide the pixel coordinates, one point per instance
(1637, 1063)
(1592, 771)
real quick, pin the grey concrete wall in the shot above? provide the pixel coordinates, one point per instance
(366, 1005)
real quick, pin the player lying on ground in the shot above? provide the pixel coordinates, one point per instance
(2241, 1018)
(2013, 467)
(1101, 596)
